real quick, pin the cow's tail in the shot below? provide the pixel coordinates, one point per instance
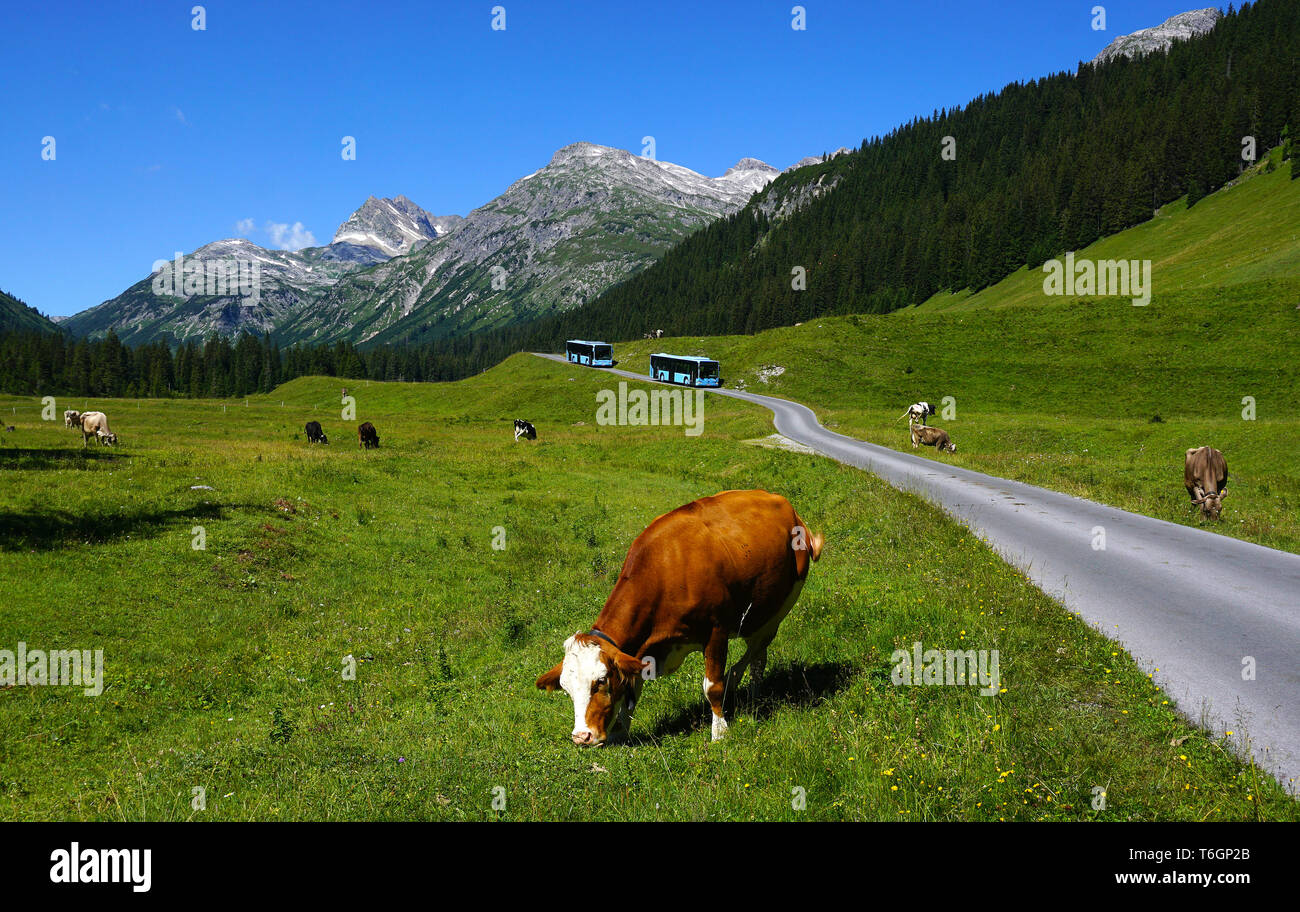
(812, 541)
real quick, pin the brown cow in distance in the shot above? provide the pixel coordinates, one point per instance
(367, 435)
(932, 436)
(720, 568)
(1205, 475)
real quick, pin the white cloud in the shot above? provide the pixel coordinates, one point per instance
(245, 227)
(180, 115)
(290, 237)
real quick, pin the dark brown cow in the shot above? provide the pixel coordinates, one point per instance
(932, 436)
(367, 436)
(723, 567)
(1205, 475)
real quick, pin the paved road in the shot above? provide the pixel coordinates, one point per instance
(1187, 602)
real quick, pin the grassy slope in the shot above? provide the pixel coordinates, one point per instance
(15, 316)
(1062, 392)
(1249, 232)
(316, 553)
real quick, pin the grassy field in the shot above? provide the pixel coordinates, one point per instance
(224, 666)
(1091, 396)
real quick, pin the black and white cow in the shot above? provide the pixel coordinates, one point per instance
(315, 434)
(917, 412)
(524, 429)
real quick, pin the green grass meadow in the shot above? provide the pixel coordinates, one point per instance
(224, 666)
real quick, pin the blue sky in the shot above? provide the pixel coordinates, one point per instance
(167, 138)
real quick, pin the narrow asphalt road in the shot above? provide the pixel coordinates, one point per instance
(1192, 607)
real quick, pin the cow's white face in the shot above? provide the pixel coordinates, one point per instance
(584, 675)
(603, 686)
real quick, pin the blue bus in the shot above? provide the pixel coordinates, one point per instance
(685, 369)
(592, 354)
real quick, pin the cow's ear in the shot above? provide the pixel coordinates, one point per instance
(630, 666)
(550, 680)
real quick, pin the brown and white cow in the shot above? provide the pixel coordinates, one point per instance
(72, 418)
(1205, 475)
(720, 568)
(932, 436)
(95, 424)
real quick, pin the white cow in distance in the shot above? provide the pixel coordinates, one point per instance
(96, 424)
(917, 412)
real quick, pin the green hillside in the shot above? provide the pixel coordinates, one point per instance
(16, 316)
(1248, 232)
(1094, 397)
(223, 666)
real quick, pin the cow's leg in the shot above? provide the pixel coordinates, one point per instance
(754, 660)
(757, 666)
(715, 679)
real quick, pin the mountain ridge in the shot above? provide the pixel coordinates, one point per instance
(19, 316)
(587, 219)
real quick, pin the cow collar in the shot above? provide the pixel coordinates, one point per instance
(596, 633)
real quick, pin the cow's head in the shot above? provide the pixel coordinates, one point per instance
(603, 683)
(1210, 502)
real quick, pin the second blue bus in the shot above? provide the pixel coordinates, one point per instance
(685, 369)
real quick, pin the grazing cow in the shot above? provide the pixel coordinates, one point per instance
(524, 429)
(367, 435)
(917, 412)
(95, 424)
(71, 418)
(932, 436)
(1205, 475)
(10, 427)
(723, 567)
(315, 434)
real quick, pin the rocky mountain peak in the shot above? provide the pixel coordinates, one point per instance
(393, 226)
(751, 164)
(1160, 37)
